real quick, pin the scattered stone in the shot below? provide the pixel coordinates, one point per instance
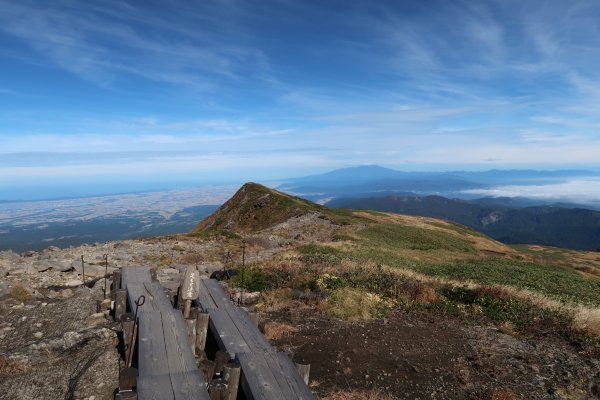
(74, 283)
(71, 339)
(4, 290)
(38, 335)
(168, 271)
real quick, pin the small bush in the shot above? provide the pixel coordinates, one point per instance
(252, 278)
(20, 294)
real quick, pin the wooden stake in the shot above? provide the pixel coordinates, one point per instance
(208, 369)
(304, 371)
(116, 283)
(132, 345)
(221, 358)
(231, 374)
(254, 318)
(127, 379)
(127, 326)
(191, 330)
(186, 308)
(120, 304)
(218, 389)
(201, 331)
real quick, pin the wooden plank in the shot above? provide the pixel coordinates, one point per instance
(166, 364)
(186, 378)
(295, 380)
(134, 291)
(257, 380)
(204, 297)
(226, 333)
(248, 332)
(266, 374)
(154, 381)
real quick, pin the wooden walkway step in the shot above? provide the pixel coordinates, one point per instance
(166, 365)
(266, 373)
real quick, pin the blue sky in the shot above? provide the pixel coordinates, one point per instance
(116, 93)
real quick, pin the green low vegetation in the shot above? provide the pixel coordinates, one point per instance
(557, 282)
(553, 281)
(394, 236)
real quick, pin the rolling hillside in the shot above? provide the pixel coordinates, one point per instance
(575, 228)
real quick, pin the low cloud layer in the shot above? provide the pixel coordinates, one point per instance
(581, 190)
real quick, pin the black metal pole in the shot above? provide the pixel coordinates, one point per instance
(105, 272)
(82, 270)
(243, 269)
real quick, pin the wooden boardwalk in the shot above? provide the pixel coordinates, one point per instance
(166, 342)
(166, 365)
(266, 373)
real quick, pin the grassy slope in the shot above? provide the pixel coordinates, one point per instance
(451, 253)
(426, 245)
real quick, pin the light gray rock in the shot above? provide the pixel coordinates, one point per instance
(71, 339)
(43, 265)
(74, 282)
(4, 291)
(63, 265)
(168, 271)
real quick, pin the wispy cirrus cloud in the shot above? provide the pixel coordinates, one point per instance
(100, 44)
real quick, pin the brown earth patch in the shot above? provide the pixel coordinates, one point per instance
(422, 355)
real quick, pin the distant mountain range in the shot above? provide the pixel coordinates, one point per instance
(370, 180)
(575, 228)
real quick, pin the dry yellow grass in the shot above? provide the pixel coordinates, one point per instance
(587, 320)
(507, 328)
(277, 330)
(275, 300)
(353, 305)
(366, 394)
(21, 294)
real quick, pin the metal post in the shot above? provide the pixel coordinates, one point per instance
(105, 256)
(243, 270)
(82, 270)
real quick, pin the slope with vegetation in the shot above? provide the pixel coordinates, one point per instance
(576, 228)
(364, 265)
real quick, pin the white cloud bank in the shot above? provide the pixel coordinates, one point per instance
(585, 190)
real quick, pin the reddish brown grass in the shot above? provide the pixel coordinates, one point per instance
(277, 330)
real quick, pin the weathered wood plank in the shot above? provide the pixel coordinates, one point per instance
(266, 374)
(186, 378)
(166, 365)
(295, 380)
(244, 326)
(154, 381)
(257, 379)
